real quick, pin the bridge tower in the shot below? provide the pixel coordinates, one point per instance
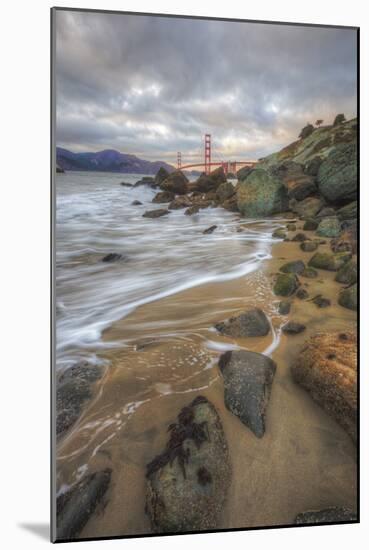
(179, 160)
(207, 153)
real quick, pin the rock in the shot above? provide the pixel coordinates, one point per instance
(327, 515)
(309, 273)
(180, 202)
(75, 507)
(248, 378)
(307, 208)
(326, 212)
(59, 170)
(312, 167)
(299, 184)
(348, 297)
(161, 175)
(252, 322)
(279, 234)
(310, 225)
(320, 301)
(231, 204)
(329, 262)
(337, 176)
(292, 327)
(209, 182)
(285, 284)
(347, 212)
(296, 266)
(74, 388)
(155, 213)
(302, 294)
(125, 184)
(300, 237)
(176, 183)
(244, 172)
(136, 203)
(163, 196)
(192, 210)
(347, 241)
(261, 194)
(146, 180)
(225, 191)
(209, 229)
(112, 257)
(347, 274)
(187, 484)
(309, 246)
(329, 227)
(284, 307)
(326, 368)
(291, 227)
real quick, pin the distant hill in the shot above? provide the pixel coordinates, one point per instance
(108, 161)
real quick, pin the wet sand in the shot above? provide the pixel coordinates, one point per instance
(167, 354)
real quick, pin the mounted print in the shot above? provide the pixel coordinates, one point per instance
(204, 224)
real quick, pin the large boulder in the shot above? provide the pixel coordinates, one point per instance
(187, 483)
(252, 322)
(176, 183)
(248, 378)
(75, 506)
(348, 212)
(161, 175)
(307, 208)
(329, 227)
(347, 274)
(329, 262)
(209, 182)
(299, 185)
(244, 172)
(225, 191)
(348, 297)
(337, 176)
(327, 368)
(261, 194)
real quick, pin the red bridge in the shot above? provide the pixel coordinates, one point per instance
(208, 164)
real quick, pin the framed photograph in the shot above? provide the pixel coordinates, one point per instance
(204, 179)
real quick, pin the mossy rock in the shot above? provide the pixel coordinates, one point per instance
(348, 212)
(296, 266)
(347, 274)
(309, 273)
(337, 176)
(286, 284)
(348, 297)
(310, 225)
(284, 307)
(329, 262)
(329, 227)
(261, 194)
(309, 246)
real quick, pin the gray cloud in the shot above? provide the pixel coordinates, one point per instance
(154, 85)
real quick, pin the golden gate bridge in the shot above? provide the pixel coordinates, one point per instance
(208, 163)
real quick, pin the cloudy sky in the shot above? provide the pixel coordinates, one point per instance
(153, 86)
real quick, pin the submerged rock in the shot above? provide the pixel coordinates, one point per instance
(155, 213)
(187, 484)
(210, 229)
(327, 515)
(329, 227)
(292, 327)
(348, 297)
(192, 210)
(252, 322)
(75, 507)
(248, 378)
(296, 266)
(286, 284)
(329, 262)
(136, 203)
(74, 388)
(112, 257)
(261, 194)
(326, 368)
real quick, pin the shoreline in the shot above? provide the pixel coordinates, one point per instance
(255, 497)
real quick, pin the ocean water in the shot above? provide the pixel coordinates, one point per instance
(95, 217)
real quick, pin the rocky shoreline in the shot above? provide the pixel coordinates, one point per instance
(311, 184)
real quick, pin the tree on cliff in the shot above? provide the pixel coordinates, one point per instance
(306, 131)
(340, 119)
(319, 122)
